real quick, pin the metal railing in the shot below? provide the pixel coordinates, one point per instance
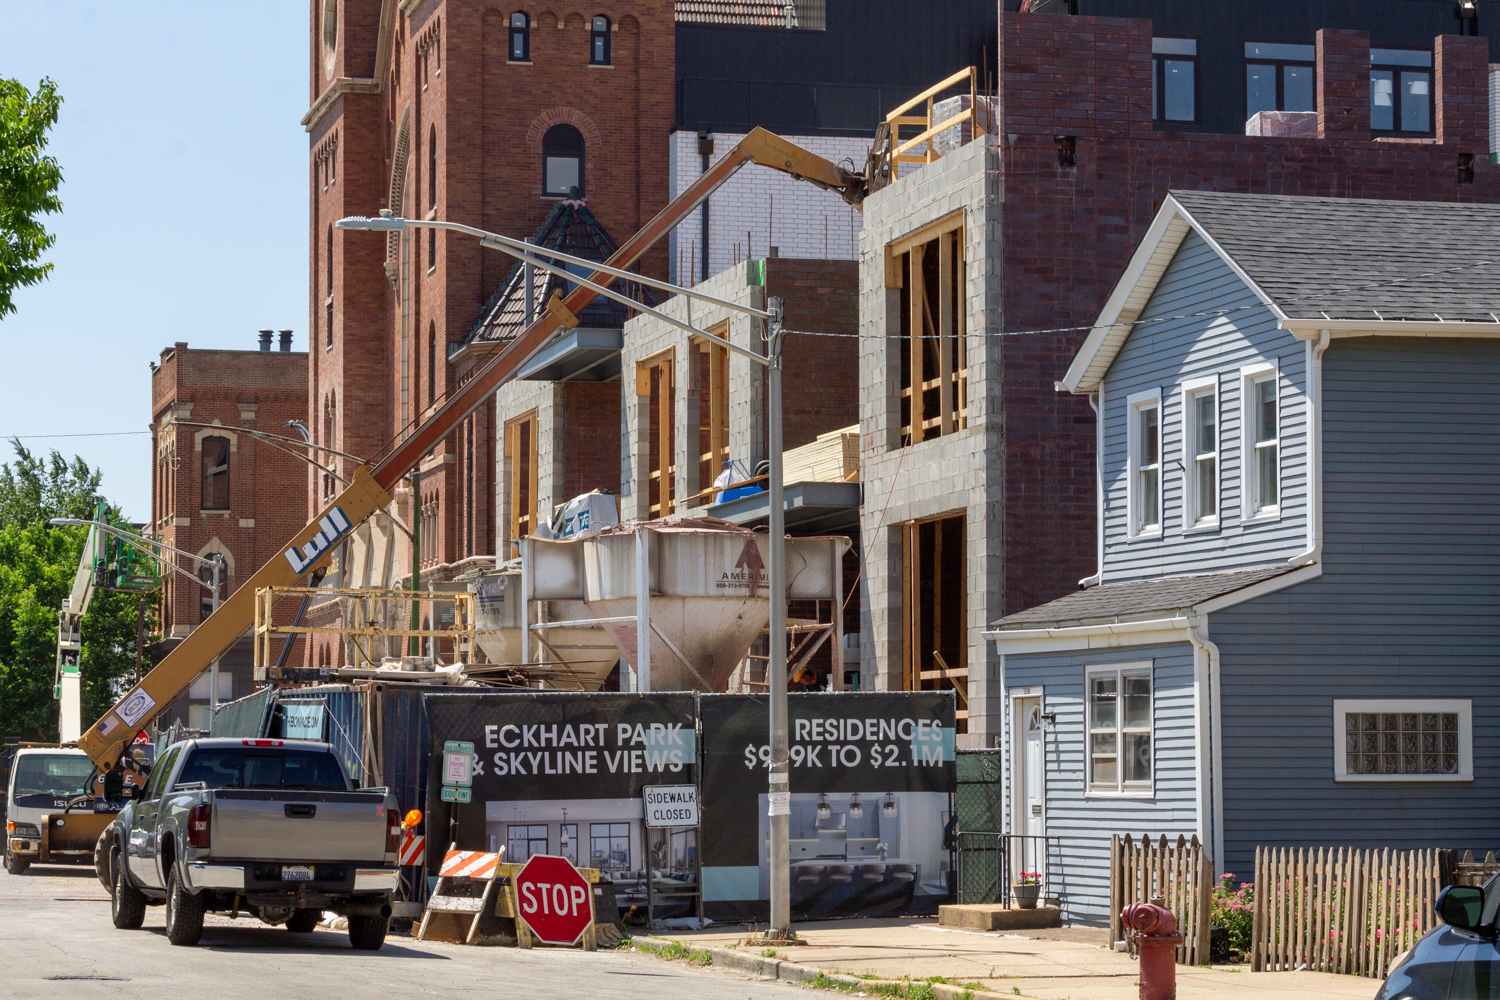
(991, 864)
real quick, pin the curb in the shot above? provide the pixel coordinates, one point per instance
(791, 972)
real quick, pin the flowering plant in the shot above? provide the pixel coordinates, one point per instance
(1029, 878)
(1233, 909)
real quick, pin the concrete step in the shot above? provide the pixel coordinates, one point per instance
(998, 917)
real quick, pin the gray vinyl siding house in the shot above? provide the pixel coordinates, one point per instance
(1323, 670)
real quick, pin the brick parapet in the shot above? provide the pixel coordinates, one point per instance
(1343, 79)
(1461, 91)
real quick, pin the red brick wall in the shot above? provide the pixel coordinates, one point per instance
(820, 375)
(485, 116)
(590, 438)
(267, 486)
(1070, 231)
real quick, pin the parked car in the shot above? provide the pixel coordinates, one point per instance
(1458, 960)
(272, 828)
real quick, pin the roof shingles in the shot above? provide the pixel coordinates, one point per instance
(1350, 258)
(1136, 600)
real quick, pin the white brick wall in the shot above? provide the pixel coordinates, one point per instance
(762, 208)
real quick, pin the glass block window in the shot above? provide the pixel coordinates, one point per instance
(1396, 740)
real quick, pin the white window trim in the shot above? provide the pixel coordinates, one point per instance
(1463, 706)
(1191, 390)
(1118, 670)
(1134, 403)
(1248, 376)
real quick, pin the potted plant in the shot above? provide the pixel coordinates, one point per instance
(1027, 887)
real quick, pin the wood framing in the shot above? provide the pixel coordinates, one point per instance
(934, 609)
(712, 383)
(654, 385)
(521, 464)
(934, 373)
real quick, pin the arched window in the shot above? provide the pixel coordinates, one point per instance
(520, 37)
(599, 42)
(431, 364)
(562, 162)
(215, 474)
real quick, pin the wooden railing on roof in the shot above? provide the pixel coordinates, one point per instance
(902, 153)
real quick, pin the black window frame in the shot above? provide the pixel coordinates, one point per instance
(1159, 62)
(599, 47)
(550, 149)
(520, 38)
(1280, 70)
(1396, 69)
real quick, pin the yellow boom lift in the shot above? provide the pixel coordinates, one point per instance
(105, 741)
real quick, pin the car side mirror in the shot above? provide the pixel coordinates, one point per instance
(114, 786)
(1460, 906)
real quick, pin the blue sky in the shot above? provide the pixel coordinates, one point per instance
(184, 210)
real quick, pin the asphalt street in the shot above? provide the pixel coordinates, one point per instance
(56, 942)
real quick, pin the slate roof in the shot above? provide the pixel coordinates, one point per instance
(1320, 257)
(571, 228)
(756, 13)
(1138, 600)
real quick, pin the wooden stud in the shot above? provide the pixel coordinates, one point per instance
(945, 331)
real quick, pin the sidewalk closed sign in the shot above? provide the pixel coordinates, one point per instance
(671, 805)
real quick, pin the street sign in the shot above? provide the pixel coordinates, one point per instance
(458, 766)
(555, 901)
(452, 794)
(671, 805)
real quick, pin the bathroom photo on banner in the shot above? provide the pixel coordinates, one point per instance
(872, 778)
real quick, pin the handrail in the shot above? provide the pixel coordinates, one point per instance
(900, 152)
(935, 89)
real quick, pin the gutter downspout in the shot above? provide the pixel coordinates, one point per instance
(1210, 800)
(1096, 402)
(1314, 551)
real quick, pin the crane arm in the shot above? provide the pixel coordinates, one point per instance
(369, 491)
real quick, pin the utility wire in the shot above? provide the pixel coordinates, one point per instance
(34, 437)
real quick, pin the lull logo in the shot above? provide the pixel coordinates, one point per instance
(333, 526)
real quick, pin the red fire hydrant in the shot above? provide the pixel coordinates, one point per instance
(1156, 933)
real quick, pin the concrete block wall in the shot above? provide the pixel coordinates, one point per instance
(774, 209)
(515, 399)
(961, 473)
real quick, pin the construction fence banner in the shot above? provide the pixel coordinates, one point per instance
(557, 773)
(566, 774)
(872, 777)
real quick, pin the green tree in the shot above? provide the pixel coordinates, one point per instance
(37, 564)
(28, 184)
(34, 490)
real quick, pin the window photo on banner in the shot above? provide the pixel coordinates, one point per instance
(872, 778)
(565, 775)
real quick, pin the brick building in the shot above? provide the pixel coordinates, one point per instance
(217, 490)
(456, 110)
(987, 505)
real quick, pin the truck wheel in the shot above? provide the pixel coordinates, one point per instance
(15, 865)
(127, 904)
(368, 933)
(302, 921)
(184, 912)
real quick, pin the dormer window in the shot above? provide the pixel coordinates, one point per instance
(520, 38)
(562, 162)
(599, 42)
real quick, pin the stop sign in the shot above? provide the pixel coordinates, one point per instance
(556, 902)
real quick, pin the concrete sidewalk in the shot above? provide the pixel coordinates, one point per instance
(1062, 964)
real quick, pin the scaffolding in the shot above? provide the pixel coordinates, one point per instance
(377, 629)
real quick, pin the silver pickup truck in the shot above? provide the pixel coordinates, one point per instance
(271, 828)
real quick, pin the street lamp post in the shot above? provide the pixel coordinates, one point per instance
(148, 546)
(532, 256)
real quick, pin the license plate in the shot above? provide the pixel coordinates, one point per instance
(296, 873)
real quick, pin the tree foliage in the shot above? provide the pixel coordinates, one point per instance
(29, 180)
(34, 490)
(37, 564)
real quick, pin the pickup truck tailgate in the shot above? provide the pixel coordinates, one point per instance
(298, 826)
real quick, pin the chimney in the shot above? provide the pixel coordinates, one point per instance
(286, 340)
(265, 340)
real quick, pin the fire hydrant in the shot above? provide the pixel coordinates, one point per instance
(1156, 933)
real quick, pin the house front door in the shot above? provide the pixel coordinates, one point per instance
(1032, 818)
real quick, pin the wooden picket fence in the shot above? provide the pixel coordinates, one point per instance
(1180, 875)
(1342, 910)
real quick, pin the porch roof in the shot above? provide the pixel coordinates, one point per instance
(1137, 600)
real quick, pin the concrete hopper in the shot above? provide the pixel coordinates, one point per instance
(708, 587)
(584, 655)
